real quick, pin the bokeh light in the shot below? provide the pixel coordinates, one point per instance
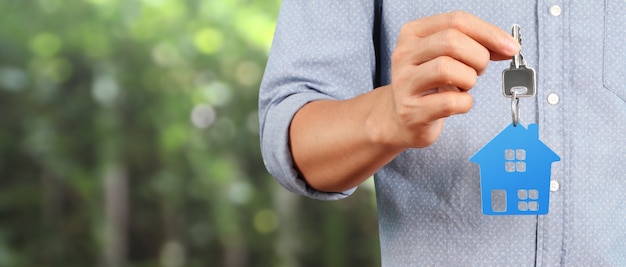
(131, 138)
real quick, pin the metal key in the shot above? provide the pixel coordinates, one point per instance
(518, 78)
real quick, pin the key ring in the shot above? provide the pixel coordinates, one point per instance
(515, 106)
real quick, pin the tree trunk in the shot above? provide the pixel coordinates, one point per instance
(116, 216)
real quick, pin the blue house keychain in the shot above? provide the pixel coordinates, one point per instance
(515, 172)
(515, 165)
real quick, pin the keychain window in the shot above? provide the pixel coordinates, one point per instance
(515, 160)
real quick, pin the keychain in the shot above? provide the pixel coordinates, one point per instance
(515, 165)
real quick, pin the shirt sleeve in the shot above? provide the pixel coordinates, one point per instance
(321, 50)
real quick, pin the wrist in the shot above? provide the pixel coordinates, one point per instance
(379, 127)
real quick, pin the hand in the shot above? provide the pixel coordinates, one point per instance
(436, 62)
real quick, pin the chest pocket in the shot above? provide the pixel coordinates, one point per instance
(614, 53)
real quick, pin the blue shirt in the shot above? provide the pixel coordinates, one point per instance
(429, 199)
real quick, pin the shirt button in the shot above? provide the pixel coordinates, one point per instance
(554, 186)
(555, 10)
(553, 99)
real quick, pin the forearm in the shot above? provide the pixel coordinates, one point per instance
(334, 142)
(338, 144)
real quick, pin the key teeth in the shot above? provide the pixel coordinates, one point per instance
(518, 59)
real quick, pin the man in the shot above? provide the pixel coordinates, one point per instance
(356, 87)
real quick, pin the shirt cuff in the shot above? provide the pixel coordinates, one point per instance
(275, 147)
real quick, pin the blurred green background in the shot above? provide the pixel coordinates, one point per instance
(129, 137)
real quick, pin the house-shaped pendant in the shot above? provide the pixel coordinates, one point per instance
(515, 171)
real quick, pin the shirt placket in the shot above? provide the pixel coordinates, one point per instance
(551, 100)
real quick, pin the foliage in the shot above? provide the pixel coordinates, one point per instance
(129, 137)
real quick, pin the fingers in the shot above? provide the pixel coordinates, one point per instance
(500, 43)
(446, 104)
(440, 105)
(460, 36)
(440, 91)
(436, 61)
(451, 43)
(436, 73)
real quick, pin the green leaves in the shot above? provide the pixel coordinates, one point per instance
(160, 97)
